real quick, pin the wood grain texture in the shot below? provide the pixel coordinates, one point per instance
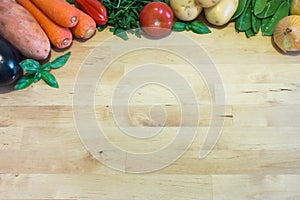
(256, 157)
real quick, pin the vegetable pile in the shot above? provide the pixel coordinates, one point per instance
(252, 15)
(124, 15)
(32, 28)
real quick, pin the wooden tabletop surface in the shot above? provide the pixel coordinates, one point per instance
(257, 155)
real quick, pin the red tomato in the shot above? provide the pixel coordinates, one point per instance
(157, 19)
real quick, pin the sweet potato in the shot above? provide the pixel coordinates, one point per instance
(21, 29)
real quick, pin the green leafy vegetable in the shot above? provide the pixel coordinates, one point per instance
(30, 66)
(124, 16)
(199, 27)
(37, 77)
(281, 12)
(49, 79)
(259, 6)
(255, 23)
(35, 72)
(24, 82)
(249, 32)
(260, 14)
(270, 8)
(243, 23)
(60, 61)
(179, 26)
(195, 26)
(241, 8)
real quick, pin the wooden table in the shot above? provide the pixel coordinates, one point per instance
(256, 157)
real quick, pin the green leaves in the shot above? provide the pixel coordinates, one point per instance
(261, 15)
(259, 6)
(270, 8)
(179, 26)
(243, 22)
(35, 72)
(199, 27)
(281, 12)
(24, 82)
(124, 16)
(49, 79)
(30, 66)
(60, 61)
(195, 26)
(241, 7)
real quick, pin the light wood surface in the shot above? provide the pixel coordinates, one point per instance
(256, 157)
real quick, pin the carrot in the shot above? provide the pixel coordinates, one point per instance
(85, 28)
(59, 36)
(59, 11)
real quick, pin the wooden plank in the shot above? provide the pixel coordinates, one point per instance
(103, 186)
(261, 186)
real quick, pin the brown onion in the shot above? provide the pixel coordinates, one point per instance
(287, 33)
(295, 7)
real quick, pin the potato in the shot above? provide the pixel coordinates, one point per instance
(21, 29)
(221, 13)
(207, 3)
(185, 10)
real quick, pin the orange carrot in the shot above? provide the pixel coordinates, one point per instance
(59, 36)
(85, 28)
(59, 11)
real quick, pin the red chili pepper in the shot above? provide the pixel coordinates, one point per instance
(94, 9)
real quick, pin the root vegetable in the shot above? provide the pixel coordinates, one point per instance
(185, 10)
(295, 7)
(208, 3)
(287, 33)
(85, 28)
(21, 29)
(221, 13)
(60, 37)
(59, 11)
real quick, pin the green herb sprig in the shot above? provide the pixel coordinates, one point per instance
(34, 72)
(124, 16)
(195, 26)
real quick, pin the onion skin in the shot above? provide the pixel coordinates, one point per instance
(287, 33)
(295, 7)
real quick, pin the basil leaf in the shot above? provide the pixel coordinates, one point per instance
(179, 26)
(49, 79)
(60, 61)
(30, 66)
(24, 82)
(46, 66)
(37, 77)
(199, 27)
